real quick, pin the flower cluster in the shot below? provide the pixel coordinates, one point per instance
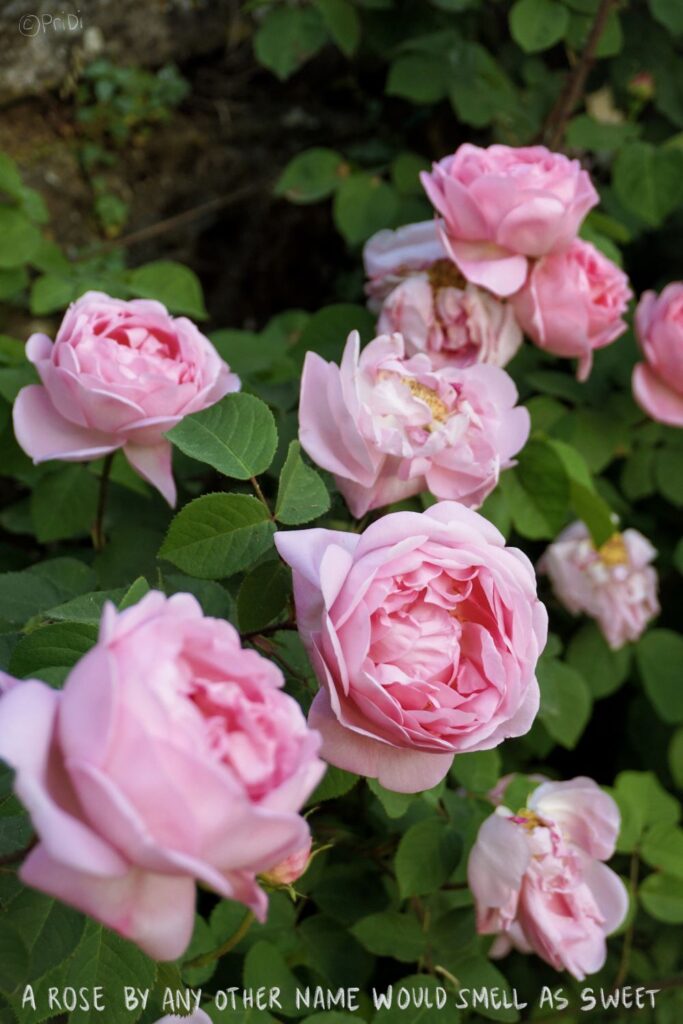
(502, 257)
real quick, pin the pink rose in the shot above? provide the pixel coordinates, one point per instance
(389, 427)
(615, 584)
(538, 879)
(424, 632)
(658, 382)
(501, 205)
(171, 755)
(390, 256)
(291, 868)
(119, 375)
(457, 324)
(573, 302)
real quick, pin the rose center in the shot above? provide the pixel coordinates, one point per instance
(613, 551)
(437, 406)
(444, 274)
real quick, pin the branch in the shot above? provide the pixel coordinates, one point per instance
(556, 122)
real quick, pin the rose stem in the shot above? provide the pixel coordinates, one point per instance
(98, 537)
(216, 954)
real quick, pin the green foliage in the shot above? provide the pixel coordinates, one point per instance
(237, 436)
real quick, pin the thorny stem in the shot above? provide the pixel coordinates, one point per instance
(98, 538)
(556, 122)
(228, 945)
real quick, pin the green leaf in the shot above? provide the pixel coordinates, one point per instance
(602, 668)
(478, 772)
(538, 24)
(395, 804)
(659, 654)
(25, 594)
(265, 961)
(587, 504)
(676, 757)
(417, 77)
(12, 280)
(263, 595)
(422, 1008)
(136, 591)
(405, 173)
(19, 239)
(662, 848)
(107, 960)
(649, 181)
(301, 494)
(64, 504)
(14, 958)
(662, 897)
(237, 436)
(391, 934)
(50, 930)
(311, 176)
(363, 204)
(477, 972)
(342, 23)
(86, 608)
(669, 474)
(10, 178)
(51, 293)
(426, 857)
(336, 782)
(327, 330)
(50, 651)
(643, 803)
(480, 91)
(668, 13)
(565, 701)
(288, 37)
(172, 283)
(218, 535)
(584, 132)
(537, 491)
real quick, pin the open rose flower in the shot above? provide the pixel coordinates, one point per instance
(538, 879)
(389, 427)
(391, 256)
(502, 205)
(119, 375)
(424, 632)
(427, 300)
(615, 584)
(658, 382)
(574, 302)
(171, 755)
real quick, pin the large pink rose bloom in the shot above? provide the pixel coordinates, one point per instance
(171, 755)
(424, 632)
(389, 427)
(502, 205)
(538, 879)
(391, 256)
(658, 382)
(616, 585)
(119, 375)
(574, 302)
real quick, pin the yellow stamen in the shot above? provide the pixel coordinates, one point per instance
(531, 819)
(437, 407)
(445, 274)
(613, 551)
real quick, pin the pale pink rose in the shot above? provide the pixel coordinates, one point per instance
(424, 632)
(291, 868)
(391, 256)
(658, 382)
(502, 205)
(573, 302)
(616, 585)
(119, 375)
(538, 879)
(389, 427)
(171, 756)
(456, 324)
